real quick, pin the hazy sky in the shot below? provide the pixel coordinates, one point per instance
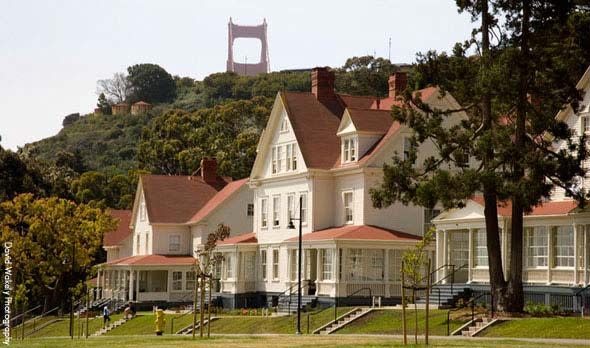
(53, 52)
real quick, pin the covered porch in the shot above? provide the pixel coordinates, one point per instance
(149, 278)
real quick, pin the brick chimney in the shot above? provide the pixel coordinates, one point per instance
(322, 84)
(209, 170)
(397, 83)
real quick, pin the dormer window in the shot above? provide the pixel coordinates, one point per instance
(585, 121)
(284, 125)
(284, 153)
(349, 150)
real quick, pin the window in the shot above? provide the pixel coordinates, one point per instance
(585, 121)
(229, 267)
(407, 148)
(263, 212)
(263, 263)
(289, 156)
(290, 206)
(355, 264)
(174, 242)
(580, 230)
(276, 212)
(142, 281)
(137, 242)
(274, 160)
(294, 157)
(250, 209)
(249, 265)
(142, 212)
(176, 280)
(279, 159)
(327, 262)
(348, 204)
(190, 281)
(147, 236)
(366, 264)
(536, 246)
(348, 150)
(395, 265)
(284, 125)
(294, 261)
(480, 247)
(564, 246)
(375, 267)
(303, 207)
(429, 214)
(275, 264)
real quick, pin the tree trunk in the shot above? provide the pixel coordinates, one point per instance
(497, 281)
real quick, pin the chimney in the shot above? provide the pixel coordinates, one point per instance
(209, 170)
(397, 83)
(322, 84)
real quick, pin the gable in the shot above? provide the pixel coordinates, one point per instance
(346, 126)
(471, 211)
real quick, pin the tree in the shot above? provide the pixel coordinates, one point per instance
(18, 176)
(508, 136)
(117, 89)
(70, 119)
(115, 191)
(44, 234)
(103, 104)
(151, 83)
(364, 75)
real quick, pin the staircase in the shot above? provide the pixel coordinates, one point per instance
(288, 305)
(114, 325)
(342, 321)
(189, 329)
(448, 295)
(476, 326)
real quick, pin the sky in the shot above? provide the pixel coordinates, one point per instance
(53, 52)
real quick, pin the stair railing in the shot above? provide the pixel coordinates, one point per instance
(471, 303)
(349, 296)
(580, 295)
(178, 317)
(23, 316)
(284, 297)
(36, 319)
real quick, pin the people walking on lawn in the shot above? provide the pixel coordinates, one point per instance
(106, 316)
(129, 312)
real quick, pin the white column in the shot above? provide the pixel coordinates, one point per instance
(386, 271)
(470, 260)
(137, 284)
(131, 285)
(337, 271)
(575, 228)
(438, 254)
(318, 272)
(586, 255)
(549, 253)
(97, 290)
(445, 254)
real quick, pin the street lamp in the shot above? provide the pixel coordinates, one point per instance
(292, 226)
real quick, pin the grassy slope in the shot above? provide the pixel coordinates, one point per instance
(390, 322)
(542, 328)
(346, 341)
(62, 327)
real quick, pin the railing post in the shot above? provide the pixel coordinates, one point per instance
(492, 300)
(448, 323)
(335, 309)
(452, 277)
(472, 309)
(308, 324)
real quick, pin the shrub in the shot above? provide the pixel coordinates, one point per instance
(541, 310)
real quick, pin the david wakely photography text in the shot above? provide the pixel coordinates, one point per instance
(6, 291)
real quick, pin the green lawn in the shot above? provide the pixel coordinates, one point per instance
(389, 321)
(345, 341)
(542, 328)
(62, 327)
(144, 324)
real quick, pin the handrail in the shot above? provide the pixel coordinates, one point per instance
(178, 317)
(348, 296)
(25, 313)
(582, 290)
(39, 317)
(287, 298)
(436, 270)
(472, 303)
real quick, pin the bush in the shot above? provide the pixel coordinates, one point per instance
(541, 310)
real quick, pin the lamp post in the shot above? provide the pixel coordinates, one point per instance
(291, 226)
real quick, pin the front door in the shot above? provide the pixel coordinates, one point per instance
(459, 254)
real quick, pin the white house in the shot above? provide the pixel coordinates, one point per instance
(556, 248)
(326, 149)
(151, 254)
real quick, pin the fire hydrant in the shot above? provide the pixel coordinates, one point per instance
(160, 322)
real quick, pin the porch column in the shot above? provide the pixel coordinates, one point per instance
(319, 268)
(445, 254)
(386, 271)
(337, 271)
(96, 291)
(470, 259)
(549, 253)
(575, 254)
(131, 285)
(586, 255)
(137, 285)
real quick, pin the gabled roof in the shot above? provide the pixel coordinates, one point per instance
(154, 260)
(362, 232)
(175, 199)
(368, 120)
(241, 239)
(122, 231)
(218, 200)
(545, 208)
(357, 101)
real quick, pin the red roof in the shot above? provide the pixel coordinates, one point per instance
(175, 199)
(545, 208)
(218, 199)
(362, 232)
(142, 103)
(155, 260)
(241, 239)
(115, 237)
(387, 103)
(357, 101)
(368, 120)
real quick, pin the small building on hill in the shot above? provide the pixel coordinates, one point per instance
(120, 109)
(140, 107)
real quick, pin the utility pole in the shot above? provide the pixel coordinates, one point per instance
(389, 56)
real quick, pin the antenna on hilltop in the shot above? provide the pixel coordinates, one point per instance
(389, 56)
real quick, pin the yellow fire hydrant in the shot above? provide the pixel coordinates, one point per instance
(160, 322)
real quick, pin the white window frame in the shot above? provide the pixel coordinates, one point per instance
(537, 247)
(250, 209)
(177, 282)
(274, 160)
(284, 125)
(263, 264)
(563, 247)
(276, 211)
(264, 212)
(147, 240)
(138, 242)
(395, 265)
(348, 206)
(304, 207)
(327, 259)
(279, 159)
(349, 150)
(289, 156)
(275, 264)
(290, 207)
(190, 279)
(427, 216)
(142, 212)
(172, 244)
(585, 122)
(480, 248)
(295, 150)
(228, 269)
